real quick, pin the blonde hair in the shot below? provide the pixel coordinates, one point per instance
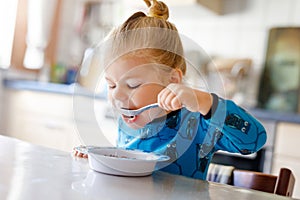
(149, 36)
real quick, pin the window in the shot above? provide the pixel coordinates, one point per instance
(8, 12)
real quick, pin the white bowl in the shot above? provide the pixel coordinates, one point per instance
(123, 162)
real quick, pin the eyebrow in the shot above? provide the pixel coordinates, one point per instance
(108, 79)
(123, 77)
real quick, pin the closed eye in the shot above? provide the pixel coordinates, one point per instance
(111, 86)
(134, 86)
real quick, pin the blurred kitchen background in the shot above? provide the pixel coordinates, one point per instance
(43, 43)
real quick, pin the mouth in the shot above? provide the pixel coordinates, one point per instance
(129, 119)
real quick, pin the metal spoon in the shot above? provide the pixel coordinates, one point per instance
(129, 112)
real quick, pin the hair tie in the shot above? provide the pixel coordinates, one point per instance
(157, 9)
(156, 15)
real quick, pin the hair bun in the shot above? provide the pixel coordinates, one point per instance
(157, 9)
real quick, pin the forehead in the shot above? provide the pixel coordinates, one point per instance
(125, 63)
(126, 66)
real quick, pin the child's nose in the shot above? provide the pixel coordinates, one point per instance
(120, 94)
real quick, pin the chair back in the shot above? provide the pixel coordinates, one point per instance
(283, 184)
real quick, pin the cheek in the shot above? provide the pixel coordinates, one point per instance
(146, 94)
(109, 97)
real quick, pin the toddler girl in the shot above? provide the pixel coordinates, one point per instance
(145, 64)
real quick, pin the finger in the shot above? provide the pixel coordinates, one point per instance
(85, 156)
(75, 153)
(172, 100)
(176, 103)
(169, 99)
(162, 98)
(80, 155)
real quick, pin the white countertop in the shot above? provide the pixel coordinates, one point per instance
(29, 172)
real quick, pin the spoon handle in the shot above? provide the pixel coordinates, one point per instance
(128, 112)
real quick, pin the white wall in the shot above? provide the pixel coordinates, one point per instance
(240, 33)
(1, 102)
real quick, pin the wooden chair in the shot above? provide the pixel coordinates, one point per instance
(283, 184)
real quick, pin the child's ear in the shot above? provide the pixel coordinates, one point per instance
(176, 76)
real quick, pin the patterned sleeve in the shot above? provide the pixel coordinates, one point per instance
(233, 129)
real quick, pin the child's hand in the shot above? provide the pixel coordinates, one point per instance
(175, 96)
(80, 152)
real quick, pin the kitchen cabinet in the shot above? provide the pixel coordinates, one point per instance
(47, 119)
(221, 7)
(270, 127)
(286, 152)
(1, 104)
(40, 118)
(214, 5)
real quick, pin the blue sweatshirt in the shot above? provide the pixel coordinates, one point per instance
(190, 139)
